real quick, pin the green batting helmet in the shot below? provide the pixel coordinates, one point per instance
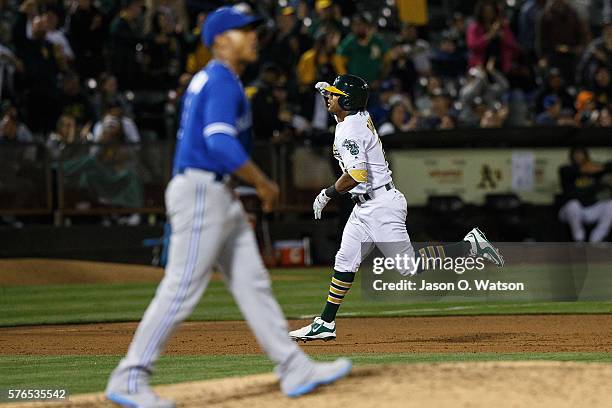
(353, 92)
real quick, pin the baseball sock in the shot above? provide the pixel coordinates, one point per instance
(340, 284)
(454, 250)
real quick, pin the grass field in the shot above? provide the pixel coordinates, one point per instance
(300, 292)
(90, 373)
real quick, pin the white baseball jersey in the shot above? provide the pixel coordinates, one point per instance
(357, 147)
(382, 219)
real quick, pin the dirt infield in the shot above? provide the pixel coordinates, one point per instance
(531, 333)
(452, 385)
(26, 271)
(58, 271)
(466, 334)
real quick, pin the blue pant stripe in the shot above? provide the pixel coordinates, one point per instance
(181, 292)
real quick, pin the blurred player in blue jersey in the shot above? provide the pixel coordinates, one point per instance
(210, 228)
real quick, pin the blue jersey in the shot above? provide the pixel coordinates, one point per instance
(215, 129)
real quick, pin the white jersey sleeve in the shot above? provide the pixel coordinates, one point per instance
(352, 151)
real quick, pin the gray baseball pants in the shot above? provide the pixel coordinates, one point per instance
(209, 228)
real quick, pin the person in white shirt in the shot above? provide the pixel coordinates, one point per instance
(115, 115)
(56, 36)
(379, 216)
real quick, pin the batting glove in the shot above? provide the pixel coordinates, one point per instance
(320, 86)
(319, 203)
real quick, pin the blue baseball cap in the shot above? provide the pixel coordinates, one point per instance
(227, 18)
(549, 101)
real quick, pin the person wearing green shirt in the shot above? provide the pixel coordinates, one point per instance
(364, 52)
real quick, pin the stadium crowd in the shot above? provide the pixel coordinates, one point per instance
(72, 71)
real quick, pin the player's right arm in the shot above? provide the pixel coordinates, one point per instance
(221, 133)
(344, 184)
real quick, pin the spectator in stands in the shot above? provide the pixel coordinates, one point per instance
(272, 116)
(57, 5)
(11, 128)
(174, 105)
(126, 45)
(56, 36)
(602, 87)
(471, 112)
(529, 20)
(319, 63)
(115, 126)
(22, 24)
(109, 171)
(586, 109)
(7, 18)
(566, 118)
(598, 53)
(605, 117)
(74, 102)
(553, 84)
(522, 81)
(560, 47)
(427, 87)
(409, 45)
(552, 111)
(486, 84)
(581, 182)
(457, 29)
(175, 9)
(489, 36)
(495, 117)
(66, 133)
(108, 91)
(10, 68)
(42, 66)
(165, 60)
(600, 14)
(110, 130)
(399, 120)
(447, 60)
(327, 15)
(440, 116)
(364, 52)
(402, 69)
(199, 54)
(87, 33)
(381, 102)
(288, 42)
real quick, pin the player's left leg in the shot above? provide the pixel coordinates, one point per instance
(249, 283)
(355, 241)
(386, 222)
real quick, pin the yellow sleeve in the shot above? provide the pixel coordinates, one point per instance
(339, 64)
(306, 68)
(360, 176)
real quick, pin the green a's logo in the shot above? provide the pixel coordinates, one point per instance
(351, 146)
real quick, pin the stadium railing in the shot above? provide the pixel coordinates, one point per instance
(89, 179)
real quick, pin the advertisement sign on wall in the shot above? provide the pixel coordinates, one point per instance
(473, 173)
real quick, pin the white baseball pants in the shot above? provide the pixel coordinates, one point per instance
(577, 215)
(380, 220)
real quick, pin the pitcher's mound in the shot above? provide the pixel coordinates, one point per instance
(456, 385)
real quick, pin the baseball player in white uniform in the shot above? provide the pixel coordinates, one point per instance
(210, 228)
(379, 215)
